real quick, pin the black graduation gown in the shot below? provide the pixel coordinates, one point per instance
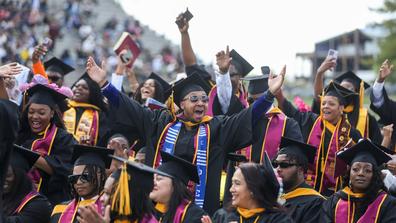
(193, 215)
(265, 217)
(234, 107)
(387, 212)
(227, 133)
(104, 128)
(373, 131)
(387, 114)
(55, 187)
(306, 121)
(305, 208)
(8, 132)
(37, 210)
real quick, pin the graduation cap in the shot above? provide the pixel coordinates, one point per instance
(273, 182)
(344, 95)
(56, 65)
(300, 149)
(192, 83)
(23, 158)
(92, 155)
(166, 87)
(243, 67)
(353, 78)
(178, 168)
(200, 69)
(257, 84)
(236, 157)
(364, 151)
(42, 94)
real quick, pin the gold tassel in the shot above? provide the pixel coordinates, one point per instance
(171, 106)
(361, 94)
(121, 203)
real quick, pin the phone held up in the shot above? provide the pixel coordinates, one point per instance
(185, 15)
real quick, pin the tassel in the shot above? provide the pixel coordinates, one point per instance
(171, 106)
(121, 203)
(361, 94)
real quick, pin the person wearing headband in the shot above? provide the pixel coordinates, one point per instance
(364, 197)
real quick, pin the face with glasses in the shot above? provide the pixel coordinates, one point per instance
(81, 182)
(195, 105)
(148, 89)
(55, 77)
(288, 170)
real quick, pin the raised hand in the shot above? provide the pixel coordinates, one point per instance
(275, 82)
(96, 73)
(9, 70)
(184, 27)
(89, 214)
(385, 70)
(39, 50)
(328, 64)
(206, 219)
(223, 60)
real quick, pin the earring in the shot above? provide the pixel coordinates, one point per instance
(251, 194)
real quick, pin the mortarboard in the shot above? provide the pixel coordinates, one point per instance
(41, 94)
(56, 65)
(192, 83)
(236, 157)
(23, 158)
(92, 155)
(178, 168)
(364, 151)
(273, 182)
(353, 78)
(257, 84)
(200, 69)
(300, 149)
(344, 95)
(243, 67)
(166, 87)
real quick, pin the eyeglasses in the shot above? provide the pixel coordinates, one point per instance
(195, 98)
(84, 178)
(54, 78)
(283, 165)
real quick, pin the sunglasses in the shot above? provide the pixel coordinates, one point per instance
(84, 178)
(54, 78)
(195, 98)
(283, 165)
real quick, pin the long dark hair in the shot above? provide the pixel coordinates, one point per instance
(374, 187)
(158, 92)
(262, 184)
(98, 180)
(180, 193)
(21, 186)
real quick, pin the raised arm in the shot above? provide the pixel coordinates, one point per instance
(38, 67)
(187, 50)
(328, 64)
(385, 70)
(223, 80)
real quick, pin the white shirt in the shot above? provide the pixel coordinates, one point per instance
(116, 81)
(378, 99)
(224, 90)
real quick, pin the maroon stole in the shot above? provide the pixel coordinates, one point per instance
(32, 194)
(212, 95)
(69, 214)
(42, 146)
(345, 210)
(181, 211)
(273, 133)
(340, 136)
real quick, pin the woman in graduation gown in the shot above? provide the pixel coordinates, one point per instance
(21, 202)
(87, 182)
(255, 192)
(201, 137)
(42, 131)
(328, 132)
(173, 198)
(364, 197)
(358, 115)
(86, 117)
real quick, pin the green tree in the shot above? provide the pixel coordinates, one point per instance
(387, 45)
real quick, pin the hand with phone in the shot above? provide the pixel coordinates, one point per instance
(329, 63)
(182, 21)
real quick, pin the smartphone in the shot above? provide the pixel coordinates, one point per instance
(186, 15)
(265, 70)
(47, 42)
(332, 54)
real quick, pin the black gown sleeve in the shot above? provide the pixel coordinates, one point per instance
(104, 130)
(38, 210)
(308, 212)
(387, 213)
(194, 214)
(374, 130)
(328, 208)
